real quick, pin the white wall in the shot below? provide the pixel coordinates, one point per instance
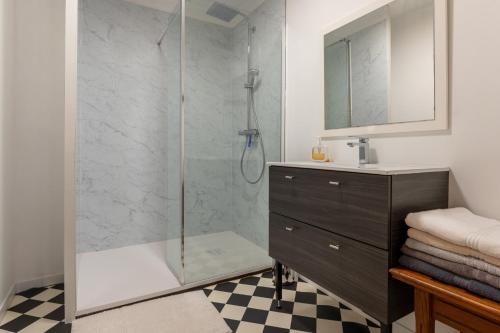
(470, 147)
(38, 139)
(306, 20)
(6, 113)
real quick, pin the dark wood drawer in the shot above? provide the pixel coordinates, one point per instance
(355, 271)
(351, 204)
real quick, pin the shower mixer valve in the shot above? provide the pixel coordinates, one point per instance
(252, 77)
(251, 134)
(247, 132)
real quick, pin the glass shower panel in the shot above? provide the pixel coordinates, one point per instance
(232, 126)
(171, 42)
(122, 143)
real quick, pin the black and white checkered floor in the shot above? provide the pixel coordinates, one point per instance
(248, 306)
(36, 310)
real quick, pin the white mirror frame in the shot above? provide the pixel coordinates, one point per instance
(440, 121)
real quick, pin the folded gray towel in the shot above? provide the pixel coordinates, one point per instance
(460, 269)
(461, 227)
(452, 256)
(437, 273)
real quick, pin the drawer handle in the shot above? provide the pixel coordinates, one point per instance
(335, 247)
(290, 229)
(334, 183)
(289, 177)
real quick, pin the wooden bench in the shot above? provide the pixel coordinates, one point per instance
(450, 305)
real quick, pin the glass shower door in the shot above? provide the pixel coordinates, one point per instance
(232, 111)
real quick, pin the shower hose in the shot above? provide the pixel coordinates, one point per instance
(248, 144)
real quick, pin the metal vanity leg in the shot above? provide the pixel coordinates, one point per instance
(279, 283)
(385, 328)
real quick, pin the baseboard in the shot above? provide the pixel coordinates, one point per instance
(399, 328)
(39, 282)
(4, 304)
(25, 285)
(407, 322)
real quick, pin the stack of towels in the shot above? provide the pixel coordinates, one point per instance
(456, 247)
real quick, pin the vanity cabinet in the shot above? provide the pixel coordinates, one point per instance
(343, 230)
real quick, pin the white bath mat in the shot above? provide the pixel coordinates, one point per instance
(184, 313)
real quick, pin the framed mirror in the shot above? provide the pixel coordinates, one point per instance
(385, 70)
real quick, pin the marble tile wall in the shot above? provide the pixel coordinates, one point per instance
(208, 128)
(122, 133)
(128, 135)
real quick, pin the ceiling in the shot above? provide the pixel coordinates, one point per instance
(197, 8)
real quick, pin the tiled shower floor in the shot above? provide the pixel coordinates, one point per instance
(214, 255)
(113, 276)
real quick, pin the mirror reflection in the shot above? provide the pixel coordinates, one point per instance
(379, 69)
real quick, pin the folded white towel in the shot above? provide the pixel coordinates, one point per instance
(461, 227)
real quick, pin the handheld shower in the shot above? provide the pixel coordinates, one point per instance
(253, 135)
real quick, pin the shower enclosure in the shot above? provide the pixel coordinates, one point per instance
(179, 107)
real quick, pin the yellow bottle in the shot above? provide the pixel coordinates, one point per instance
(319, 152)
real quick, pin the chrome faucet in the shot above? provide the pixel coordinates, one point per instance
(364, 149)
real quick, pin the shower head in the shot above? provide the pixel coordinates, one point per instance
(224, 12)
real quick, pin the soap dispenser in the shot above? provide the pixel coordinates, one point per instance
(319, 152)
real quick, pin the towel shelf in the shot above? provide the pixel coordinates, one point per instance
(453, 306)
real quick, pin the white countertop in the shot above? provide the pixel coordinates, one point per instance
(378, 169)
